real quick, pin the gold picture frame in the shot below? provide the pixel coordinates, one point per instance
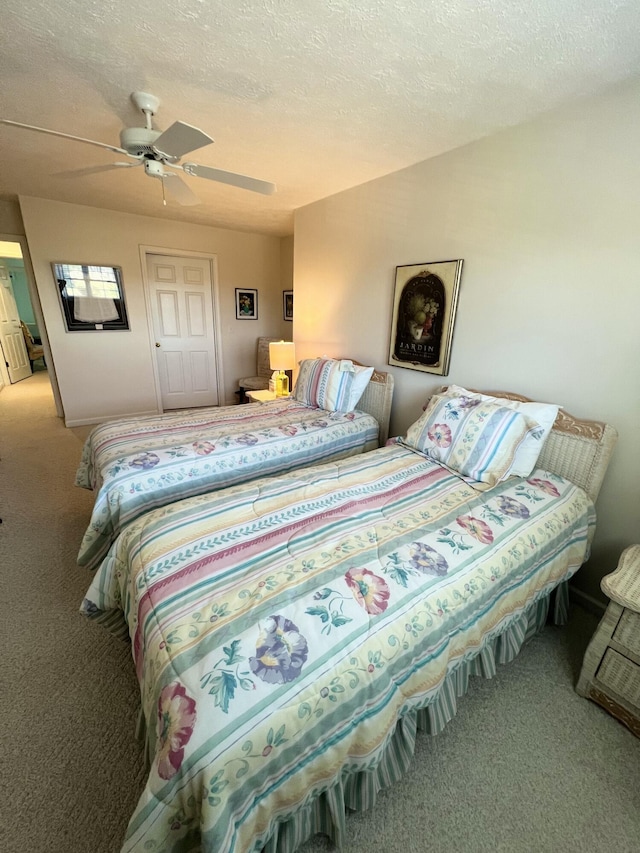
(425, 300)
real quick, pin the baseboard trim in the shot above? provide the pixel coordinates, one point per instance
(88, 421)
(588, 602)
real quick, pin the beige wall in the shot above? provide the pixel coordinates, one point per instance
(286, 262)
(10, 219)
(104, 375)
(547, 219)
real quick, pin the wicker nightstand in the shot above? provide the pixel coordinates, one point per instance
(611, 668)
(260, 396)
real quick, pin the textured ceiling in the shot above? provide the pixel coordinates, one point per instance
(315, 95)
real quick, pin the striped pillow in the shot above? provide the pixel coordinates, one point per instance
(325, 383)
(542, 413)
(472, 437)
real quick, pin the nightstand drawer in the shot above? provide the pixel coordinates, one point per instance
(621, 676)
(610, 673)
(627, 633)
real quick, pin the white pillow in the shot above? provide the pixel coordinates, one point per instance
(543, 414)
(477, 439)
(360, 381)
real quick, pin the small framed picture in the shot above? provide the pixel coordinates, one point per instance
(246, 304)
(287, 304)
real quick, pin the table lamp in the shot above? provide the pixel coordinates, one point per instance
(282, 356)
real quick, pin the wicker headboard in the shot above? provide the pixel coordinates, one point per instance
(377, 399)
(575, 448)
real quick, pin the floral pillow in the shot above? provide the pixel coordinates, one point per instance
(543, 413)
(325, 383)
(472, 437)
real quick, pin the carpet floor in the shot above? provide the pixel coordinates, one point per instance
(527, 766)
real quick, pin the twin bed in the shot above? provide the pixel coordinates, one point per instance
(138, 464)
(291, 634)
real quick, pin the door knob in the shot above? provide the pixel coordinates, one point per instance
(157, 344)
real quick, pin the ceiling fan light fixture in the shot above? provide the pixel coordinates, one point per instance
(155, 169)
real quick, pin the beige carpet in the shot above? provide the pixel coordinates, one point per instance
(527, 766)
(70, 767)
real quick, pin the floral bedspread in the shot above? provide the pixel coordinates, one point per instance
(138, 464)
(281, 628)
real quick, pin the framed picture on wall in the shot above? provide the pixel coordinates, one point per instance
(246, 304)
(287, 304)
(424, 310)
(91, 297)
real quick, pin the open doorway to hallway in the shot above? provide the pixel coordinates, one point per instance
(21, 351)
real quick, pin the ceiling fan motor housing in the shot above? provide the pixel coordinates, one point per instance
(138, 141)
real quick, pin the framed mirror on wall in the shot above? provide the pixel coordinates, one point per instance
(91, 297)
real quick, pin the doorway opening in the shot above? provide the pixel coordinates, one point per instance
(24, 346)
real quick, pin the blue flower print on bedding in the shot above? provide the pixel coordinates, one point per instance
(281, 651)
(145, 460)
(422, 560)
(247, 439)
(511, 507)
(464, 403)
(427, 560)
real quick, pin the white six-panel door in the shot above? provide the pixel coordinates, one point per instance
(14, 349)
(182, 310)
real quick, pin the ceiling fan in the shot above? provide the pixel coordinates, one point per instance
(159, 153)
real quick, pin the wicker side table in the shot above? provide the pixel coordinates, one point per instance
(611, 668)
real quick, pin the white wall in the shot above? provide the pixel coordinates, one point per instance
(107, 374)
(547, 219)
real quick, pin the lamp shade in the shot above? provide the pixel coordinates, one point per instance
(282, 355)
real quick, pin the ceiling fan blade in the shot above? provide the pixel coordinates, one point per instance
(113, 148)
(243, 181)
(94, 170)
(176, 187)
(179, 139)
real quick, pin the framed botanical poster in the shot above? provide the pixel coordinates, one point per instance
(287, 304)
(246, 304)
(424, 311)
(91, 297)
